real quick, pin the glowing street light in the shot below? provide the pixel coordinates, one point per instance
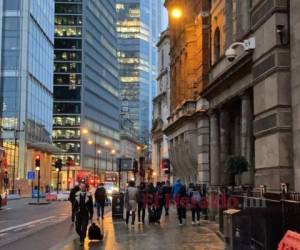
(113, 151)
(90, 142)
(106, 143)
(99, 152)
(85, 131)
(176, 13)
(138, 148)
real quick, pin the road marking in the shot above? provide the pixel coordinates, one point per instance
(64, 242)
(25, 224)
(1, 235)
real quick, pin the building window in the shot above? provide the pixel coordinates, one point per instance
(217, 45)
(11, 4)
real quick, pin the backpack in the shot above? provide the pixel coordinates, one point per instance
(196, 197)
(100, 194)
(95, 233)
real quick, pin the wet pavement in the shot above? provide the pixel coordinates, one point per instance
(166, 236)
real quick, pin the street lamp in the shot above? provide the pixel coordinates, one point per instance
(176, 13)
(113, 152)
(85, 131)
(57, 184)
(99, 152)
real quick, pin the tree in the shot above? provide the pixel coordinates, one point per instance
(236, 165)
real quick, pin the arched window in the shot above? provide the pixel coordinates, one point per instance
(217, 45)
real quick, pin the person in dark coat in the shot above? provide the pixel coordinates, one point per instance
(100, 198)
(73, 192)
(83, 208)
(142, 199)
(167, 190)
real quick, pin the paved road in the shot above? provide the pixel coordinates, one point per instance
(57, 233)
(19, 220)
(166, 236)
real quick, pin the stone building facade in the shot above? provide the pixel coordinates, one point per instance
(161, 107)
(188, 125)
(250, 98)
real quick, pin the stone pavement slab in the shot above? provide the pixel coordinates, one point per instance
(166, 236)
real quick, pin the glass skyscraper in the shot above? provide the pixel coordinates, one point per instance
(86, 84)
(139, 24)
(26, 87)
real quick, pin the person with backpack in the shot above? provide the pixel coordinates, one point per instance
(195, 198)
(142, 196)
(83, 208)
(131, 201)
(100, 199)
(73, 192)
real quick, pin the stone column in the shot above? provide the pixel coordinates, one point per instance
(246, 134)
(214, 150)
(237, 135)
(224, 145)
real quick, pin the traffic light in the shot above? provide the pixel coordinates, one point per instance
(135, 166)
(58, 164)
(37, 161)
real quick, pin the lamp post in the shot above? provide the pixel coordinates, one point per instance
(57, 184)
(98, 163)
(112, 159)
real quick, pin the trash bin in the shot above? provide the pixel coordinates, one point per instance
(117, 205)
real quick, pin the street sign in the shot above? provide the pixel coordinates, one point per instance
(126, 164)
(30, 175)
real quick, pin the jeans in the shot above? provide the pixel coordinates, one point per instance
(141, 211)
(196, 211)
(100, 209)
(127, 217)
(181, 211)
(82, 221)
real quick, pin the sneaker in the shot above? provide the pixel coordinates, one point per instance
(198, 222)
(193, 222)
(132, 225)
(180, 224)
(139, 223)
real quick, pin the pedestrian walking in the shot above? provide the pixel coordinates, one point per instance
(151, 203)
(100, 199)
(176, 188)
(83, 211)
(142, 202)
(131, 201)
(159, 201)
(167, 190)
(73, 192)
(182, 202)
(195, 197)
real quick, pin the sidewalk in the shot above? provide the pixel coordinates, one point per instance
(166, 236)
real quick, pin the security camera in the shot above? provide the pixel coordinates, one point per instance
(231, 54)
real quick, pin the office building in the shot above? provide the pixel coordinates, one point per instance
(86, 85)
(138, 27)
(27, 29)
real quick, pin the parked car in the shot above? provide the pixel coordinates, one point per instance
(51, 196)
(63, 196)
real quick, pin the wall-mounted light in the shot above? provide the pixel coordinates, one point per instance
(282, 32)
